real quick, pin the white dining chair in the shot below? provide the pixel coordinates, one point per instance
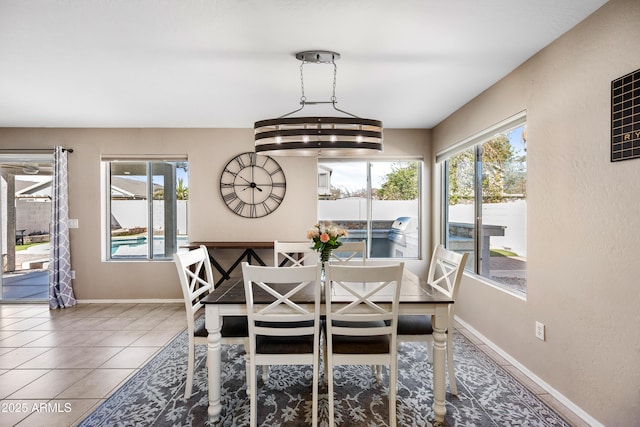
(196, 281)
(350, 253)
(445, 274)
(363, 331)
(281, 331)
(294, 254)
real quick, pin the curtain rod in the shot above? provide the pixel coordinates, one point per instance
(31, 150)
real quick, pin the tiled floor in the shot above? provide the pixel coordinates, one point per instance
(56, 366)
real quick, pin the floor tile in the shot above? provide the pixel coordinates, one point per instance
(18, 356)
(71, 358)
(23, 324)
(121, 338)
(526, 381)
(18, 410)
(493, 355)
(99, 383)
(71, 339)
(23, 338)
(155, 339)
(7, 334)
(131, 357)
(50, 384)
(16, 379)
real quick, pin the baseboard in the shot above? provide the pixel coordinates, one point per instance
(552, 391)
(129, 301)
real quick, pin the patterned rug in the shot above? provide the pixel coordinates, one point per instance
(487, 394)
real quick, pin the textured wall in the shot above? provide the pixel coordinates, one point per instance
(583, 222)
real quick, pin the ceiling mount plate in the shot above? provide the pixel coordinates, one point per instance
(318, 56)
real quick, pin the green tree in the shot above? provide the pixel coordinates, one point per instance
(401, 183)
(461, 177)
(503, 173)
(497, 154)
(182, 192)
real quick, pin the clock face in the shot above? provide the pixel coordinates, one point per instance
(252, 186)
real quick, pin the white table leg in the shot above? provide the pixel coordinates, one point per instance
(439, 360)
(213, 323)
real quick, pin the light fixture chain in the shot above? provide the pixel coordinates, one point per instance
(335, 73)
(302, 98)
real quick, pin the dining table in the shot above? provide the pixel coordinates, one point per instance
(248, 254)
(416, 297)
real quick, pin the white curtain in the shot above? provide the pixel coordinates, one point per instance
(60, 289)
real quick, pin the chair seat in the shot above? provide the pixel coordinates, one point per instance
(232, 327)
(284, 345)
(414, 325)
(299, 344)
(360, 344)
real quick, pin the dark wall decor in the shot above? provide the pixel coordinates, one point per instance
(625, 117)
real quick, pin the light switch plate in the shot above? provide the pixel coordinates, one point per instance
(540, 331)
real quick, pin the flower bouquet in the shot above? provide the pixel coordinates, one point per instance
(325, 238)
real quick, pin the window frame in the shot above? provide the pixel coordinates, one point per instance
(474, 142)
(150, 162)
(368, 162)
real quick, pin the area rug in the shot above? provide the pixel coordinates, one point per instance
(487, 394)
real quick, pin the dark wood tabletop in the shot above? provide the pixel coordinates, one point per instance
(230, 245)
(414, 290)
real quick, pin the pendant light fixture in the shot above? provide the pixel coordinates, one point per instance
(288, 135)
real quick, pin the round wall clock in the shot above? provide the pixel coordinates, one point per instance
(252, 185)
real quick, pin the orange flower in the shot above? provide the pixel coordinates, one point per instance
(324, 237)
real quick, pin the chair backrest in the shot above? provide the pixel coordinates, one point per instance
(281, 285)
(293, 254)
(445, 270)
(196, 279)
(350, 252)
(370, 288)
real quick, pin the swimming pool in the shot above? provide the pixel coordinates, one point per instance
(136, 246)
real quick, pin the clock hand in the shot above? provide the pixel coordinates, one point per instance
(247, 181)
(251, 184)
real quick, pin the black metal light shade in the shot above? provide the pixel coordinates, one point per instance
(312, 136)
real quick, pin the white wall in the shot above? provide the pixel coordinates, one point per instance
(355, 209)
(512, 215)
(583, 223)
(33, 216)
(133, 213)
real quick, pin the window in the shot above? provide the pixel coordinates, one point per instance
(485, 203)
(147, 203)
(378, 201)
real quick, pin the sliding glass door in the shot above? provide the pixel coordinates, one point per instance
(25, 213)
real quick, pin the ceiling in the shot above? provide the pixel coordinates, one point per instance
(215, 63)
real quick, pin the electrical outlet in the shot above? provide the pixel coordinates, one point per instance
(72, 223)
(73, 274)
(540, 331)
